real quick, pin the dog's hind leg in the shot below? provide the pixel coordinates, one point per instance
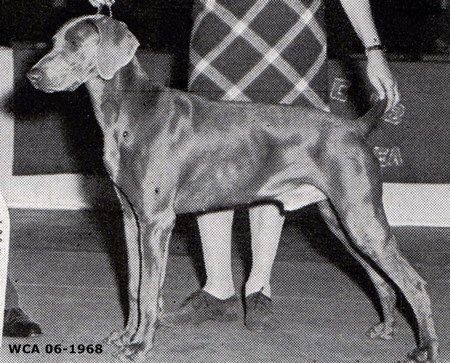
(386, 294)
(359, 205)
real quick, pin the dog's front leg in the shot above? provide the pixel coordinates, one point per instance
(155, 232)
(132, 243)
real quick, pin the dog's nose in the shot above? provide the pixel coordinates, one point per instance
(34, 74)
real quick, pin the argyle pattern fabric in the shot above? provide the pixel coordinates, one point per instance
(259, 50)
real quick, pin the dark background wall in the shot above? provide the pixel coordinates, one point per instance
(409, 27)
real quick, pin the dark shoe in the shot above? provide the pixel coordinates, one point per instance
(200, 307)
(17, 324)
(258, 312)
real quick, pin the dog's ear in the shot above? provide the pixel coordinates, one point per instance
(116, 47)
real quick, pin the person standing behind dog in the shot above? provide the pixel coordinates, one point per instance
(263, 51)
(270, 51)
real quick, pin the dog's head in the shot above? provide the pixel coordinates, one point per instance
(84, 48)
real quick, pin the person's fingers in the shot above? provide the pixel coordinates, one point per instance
(389, 88)
(396, 95)
(379, 88)
(390, 97)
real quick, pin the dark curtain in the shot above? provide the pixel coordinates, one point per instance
(408, 27)
(162, 24)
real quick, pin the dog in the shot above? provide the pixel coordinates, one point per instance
(169, 152)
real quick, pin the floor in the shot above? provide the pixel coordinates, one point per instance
(66, 266)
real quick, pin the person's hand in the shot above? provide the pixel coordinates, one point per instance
(381, 78)
(100, 3)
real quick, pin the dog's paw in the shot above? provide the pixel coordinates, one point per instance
(425, 354)
(124, 347)
(119, 338)
(133, 352)
(382, 330)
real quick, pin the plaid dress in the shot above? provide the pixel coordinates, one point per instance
(262, 51)
(259, 50)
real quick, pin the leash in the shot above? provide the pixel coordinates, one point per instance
(141, 257)
(140, 252)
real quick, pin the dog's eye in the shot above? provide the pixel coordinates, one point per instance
(73, 43)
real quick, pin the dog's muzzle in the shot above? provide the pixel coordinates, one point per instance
(39, 80)
(35, 75)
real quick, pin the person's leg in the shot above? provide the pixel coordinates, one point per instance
(266, 224)
(17, 324)
(11, 296)
(217, 299)
(215, 232)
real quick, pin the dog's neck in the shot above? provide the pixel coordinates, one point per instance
(106, 95)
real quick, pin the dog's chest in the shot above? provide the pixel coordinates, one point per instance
(111, 156)
(118, 136)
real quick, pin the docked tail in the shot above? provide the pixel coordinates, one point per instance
(371, 119)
